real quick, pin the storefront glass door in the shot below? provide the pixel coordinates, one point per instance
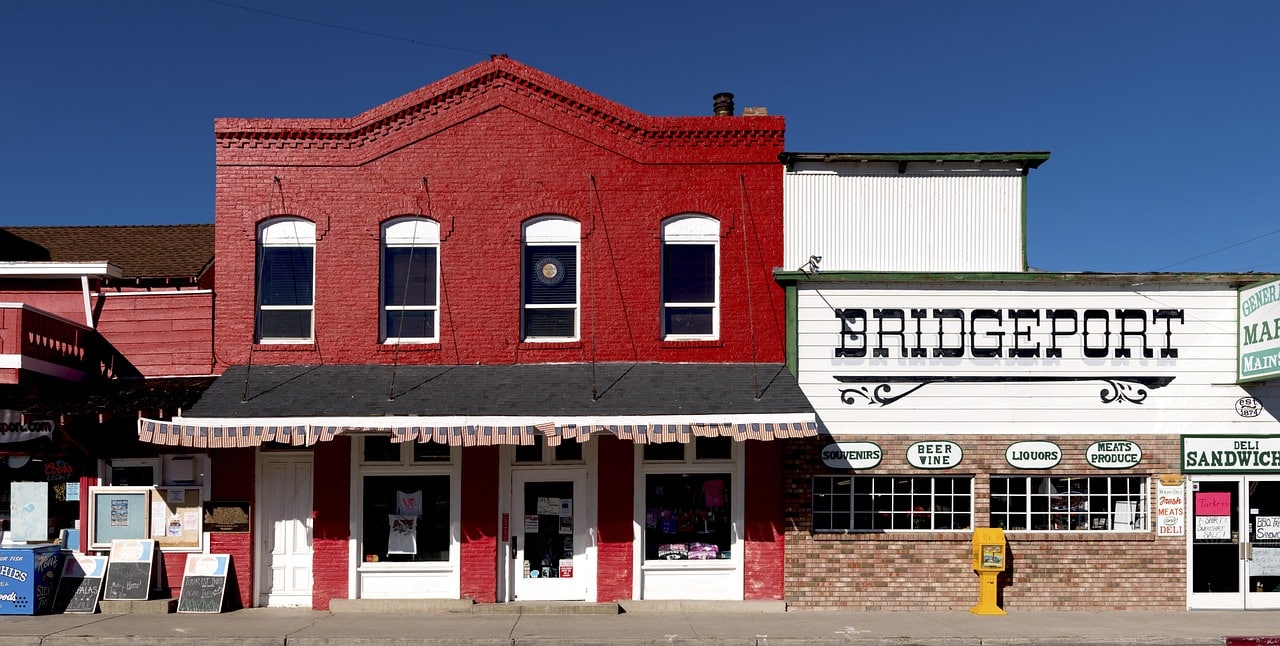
(1234, 542)
(548, 519)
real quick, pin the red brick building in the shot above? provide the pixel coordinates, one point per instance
(499, 339)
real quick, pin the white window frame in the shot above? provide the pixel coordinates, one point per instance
(284, 232)
(443, 577)
(691, 229)
(930, 512)
(551, 230)
(1071, 514)
(417, 233)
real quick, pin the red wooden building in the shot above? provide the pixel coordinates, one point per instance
(499, 339)
(98, 325)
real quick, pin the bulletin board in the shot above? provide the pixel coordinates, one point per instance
(177, 518)
(118, 513)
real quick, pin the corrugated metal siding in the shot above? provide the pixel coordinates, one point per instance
(912, 222)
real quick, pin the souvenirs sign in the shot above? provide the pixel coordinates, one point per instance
(852, 455)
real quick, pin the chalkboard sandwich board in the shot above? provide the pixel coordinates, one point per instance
(204, 583)
(80, 585)
(129, 572)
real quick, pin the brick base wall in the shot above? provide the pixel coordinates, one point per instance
(930, 570)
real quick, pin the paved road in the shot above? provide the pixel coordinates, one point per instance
(276, 627)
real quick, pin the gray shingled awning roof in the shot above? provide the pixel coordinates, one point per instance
(477, 405)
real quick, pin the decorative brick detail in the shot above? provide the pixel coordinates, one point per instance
(930, 570)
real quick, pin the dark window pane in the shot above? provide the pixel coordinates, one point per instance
(548, 323)
(385, 499)
(409, 276)
(688, 320)
(664, 451)
(378, 448)
(551, 275)
(430, 452)
(286, 276)
(530, 452)
(568, 451)
(712, 448)
(687, 516)
(411, 324)
(688, 273)
(284, 324)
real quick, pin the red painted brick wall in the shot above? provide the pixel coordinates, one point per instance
(616, 533)
(232, 475)
(482, 152)
(931, 570)
(331, 496)
(763, 533)
(479, 516)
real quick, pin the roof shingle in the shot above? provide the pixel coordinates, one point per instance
(144, 251)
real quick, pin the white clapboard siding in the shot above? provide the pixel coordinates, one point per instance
(878, 220)
(1200, 398)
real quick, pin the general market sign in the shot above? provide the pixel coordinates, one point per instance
(852, 455)
(1121, 454)
(934, 455)
(1033, 455)
(1259, 336)
(1230, 454)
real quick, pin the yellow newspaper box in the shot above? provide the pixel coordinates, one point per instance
(989, 550)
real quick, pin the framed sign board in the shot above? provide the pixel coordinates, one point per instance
(118, 513)
(129, 571)
(204, 583)
(177, 521)
(80, 585)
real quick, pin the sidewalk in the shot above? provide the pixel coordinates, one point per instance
(278, 627)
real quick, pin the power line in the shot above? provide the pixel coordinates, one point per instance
(1230, 246)
(345, 28)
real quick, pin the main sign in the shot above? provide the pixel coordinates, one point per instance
(1259, 336)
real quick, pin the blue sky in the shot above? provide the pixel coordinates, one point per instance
(1161, 117)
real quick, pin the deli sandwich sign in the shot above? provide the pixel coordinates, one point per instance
(1259, 336)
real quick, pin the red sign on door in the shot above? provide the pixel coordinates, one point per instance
(1213, 503)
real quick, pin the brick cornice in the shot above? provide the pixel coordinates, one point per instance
(506, 83)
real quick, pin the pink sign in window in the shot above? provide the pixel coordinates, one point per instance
(1213, 503)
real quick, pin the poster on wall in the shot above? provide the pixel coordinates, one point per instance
(1171, 510)
(29, 511)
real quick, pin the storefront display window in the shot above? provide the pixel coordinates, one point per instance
(881, 503)
(687, 516)
(1080, 504)
(406, 518)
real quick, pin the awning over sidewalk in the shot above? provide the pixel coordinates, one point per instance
(491, 405)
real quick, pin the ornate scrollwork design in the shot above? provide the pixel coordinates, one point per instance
(879, 391)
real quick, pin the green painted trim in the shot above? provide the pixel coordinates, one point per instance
(1026, 262)
(792, 292)
(788, 278)
(1031, 158)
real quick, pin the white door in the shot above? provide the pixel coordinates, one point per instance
(549, 515)
(1234, 542)
(284, 529)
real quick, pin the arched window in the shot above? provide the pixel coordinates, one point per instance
(286, 281)
(549, 279)
(410, 281)
(690, 277)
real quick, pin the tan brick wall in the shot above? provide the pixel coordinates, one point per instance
(930, 570)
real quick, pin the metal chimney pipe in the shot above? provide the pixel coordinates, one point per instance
(723, 104)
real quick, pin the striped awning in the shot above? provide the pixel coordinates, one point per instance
(193, 434)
